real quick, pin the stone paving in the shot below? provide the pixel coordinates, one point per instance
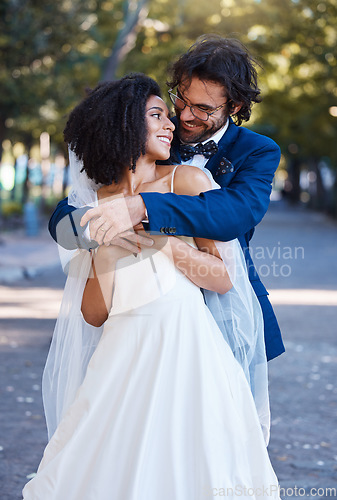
(303, 387)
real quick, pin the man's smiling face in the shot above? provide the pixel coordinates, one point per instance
(207, 96)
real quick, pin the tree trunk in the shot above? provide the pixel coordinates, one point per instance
(294, 179)
(65, 180)
(2, 137)
(134, 11)
(334, 199)
(321, 198)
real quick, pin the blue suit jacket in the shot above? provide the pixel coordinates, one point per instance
(222, 214)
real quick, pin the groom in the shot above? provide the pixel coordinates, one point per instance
(212, 85)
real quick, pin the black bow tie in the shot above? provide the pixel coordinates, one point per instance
(208, 150)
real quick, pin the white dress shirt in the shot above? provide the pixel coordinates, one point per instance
(199, 160)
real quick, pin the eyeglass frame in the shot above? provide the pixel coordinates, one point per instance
(171, 94)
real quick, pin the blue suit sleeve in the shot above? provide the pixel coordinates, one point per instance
(221, 214)
(64, 226)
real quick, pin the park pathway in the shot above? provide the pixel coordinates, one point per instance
(296, 253)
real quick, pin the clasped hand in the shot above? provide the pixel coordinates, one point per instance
(117, 222)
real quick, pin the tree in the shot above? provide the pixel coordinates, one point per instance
(40, 46)
(134, 13)
(51, 52)
(299, 82)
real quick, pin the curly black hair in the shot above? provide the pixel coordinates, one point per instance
(107, 130)
(225, 61)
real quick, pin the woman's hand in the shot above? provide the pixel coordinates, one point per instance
(158, 240)
(112, 253)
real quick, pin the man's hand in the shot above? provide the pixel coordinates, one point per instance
(114, 218)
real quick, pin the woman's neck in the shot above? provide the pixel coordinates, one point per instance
(131, 182)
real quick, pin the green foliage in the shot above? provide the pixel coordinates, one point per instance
(51, 51)
(46, 59)
(10, 208)
(299, 81)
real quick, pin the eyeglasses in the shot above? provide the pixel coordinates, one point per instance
(196, 112)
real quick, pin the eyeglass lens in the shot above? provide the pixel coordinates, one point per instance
(180, 104)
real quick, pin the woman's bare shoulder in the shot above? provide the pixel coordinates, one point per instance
(190, 180)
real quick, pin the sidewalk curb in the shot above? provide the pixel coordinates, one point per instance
(11, 275)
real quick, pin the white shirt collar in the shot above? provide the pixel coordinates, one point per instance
(219, 134)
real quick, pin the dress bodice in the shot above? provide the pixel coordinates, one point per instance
(146, 277)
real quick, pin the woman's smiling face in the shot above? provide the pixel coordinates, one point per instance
(159, 129)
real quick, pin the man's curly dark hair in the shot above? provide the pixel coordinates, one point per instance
(107, 130)
(225, 61)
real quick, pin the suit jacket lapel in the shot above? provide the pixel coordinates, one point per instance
(225, 146)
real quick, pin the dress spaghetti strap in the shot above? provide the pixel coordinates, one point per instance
(172, 178)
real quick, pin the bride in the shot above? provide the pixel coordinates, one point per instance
(144, 398)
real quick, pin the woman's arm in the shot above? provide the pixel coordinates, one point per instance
(206, 270)
(97, 295)
(203, 266)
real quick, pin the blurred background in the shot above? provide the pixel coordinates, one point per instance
(52, 51)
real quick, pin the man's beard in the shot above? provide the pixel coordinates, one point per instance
(200, 135)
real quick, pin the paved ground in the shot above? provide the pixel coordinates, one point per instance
(303, 381)
(296, 251)
(23, 256)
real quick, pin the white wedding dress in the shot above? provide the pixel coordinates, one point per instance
(165, 411)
